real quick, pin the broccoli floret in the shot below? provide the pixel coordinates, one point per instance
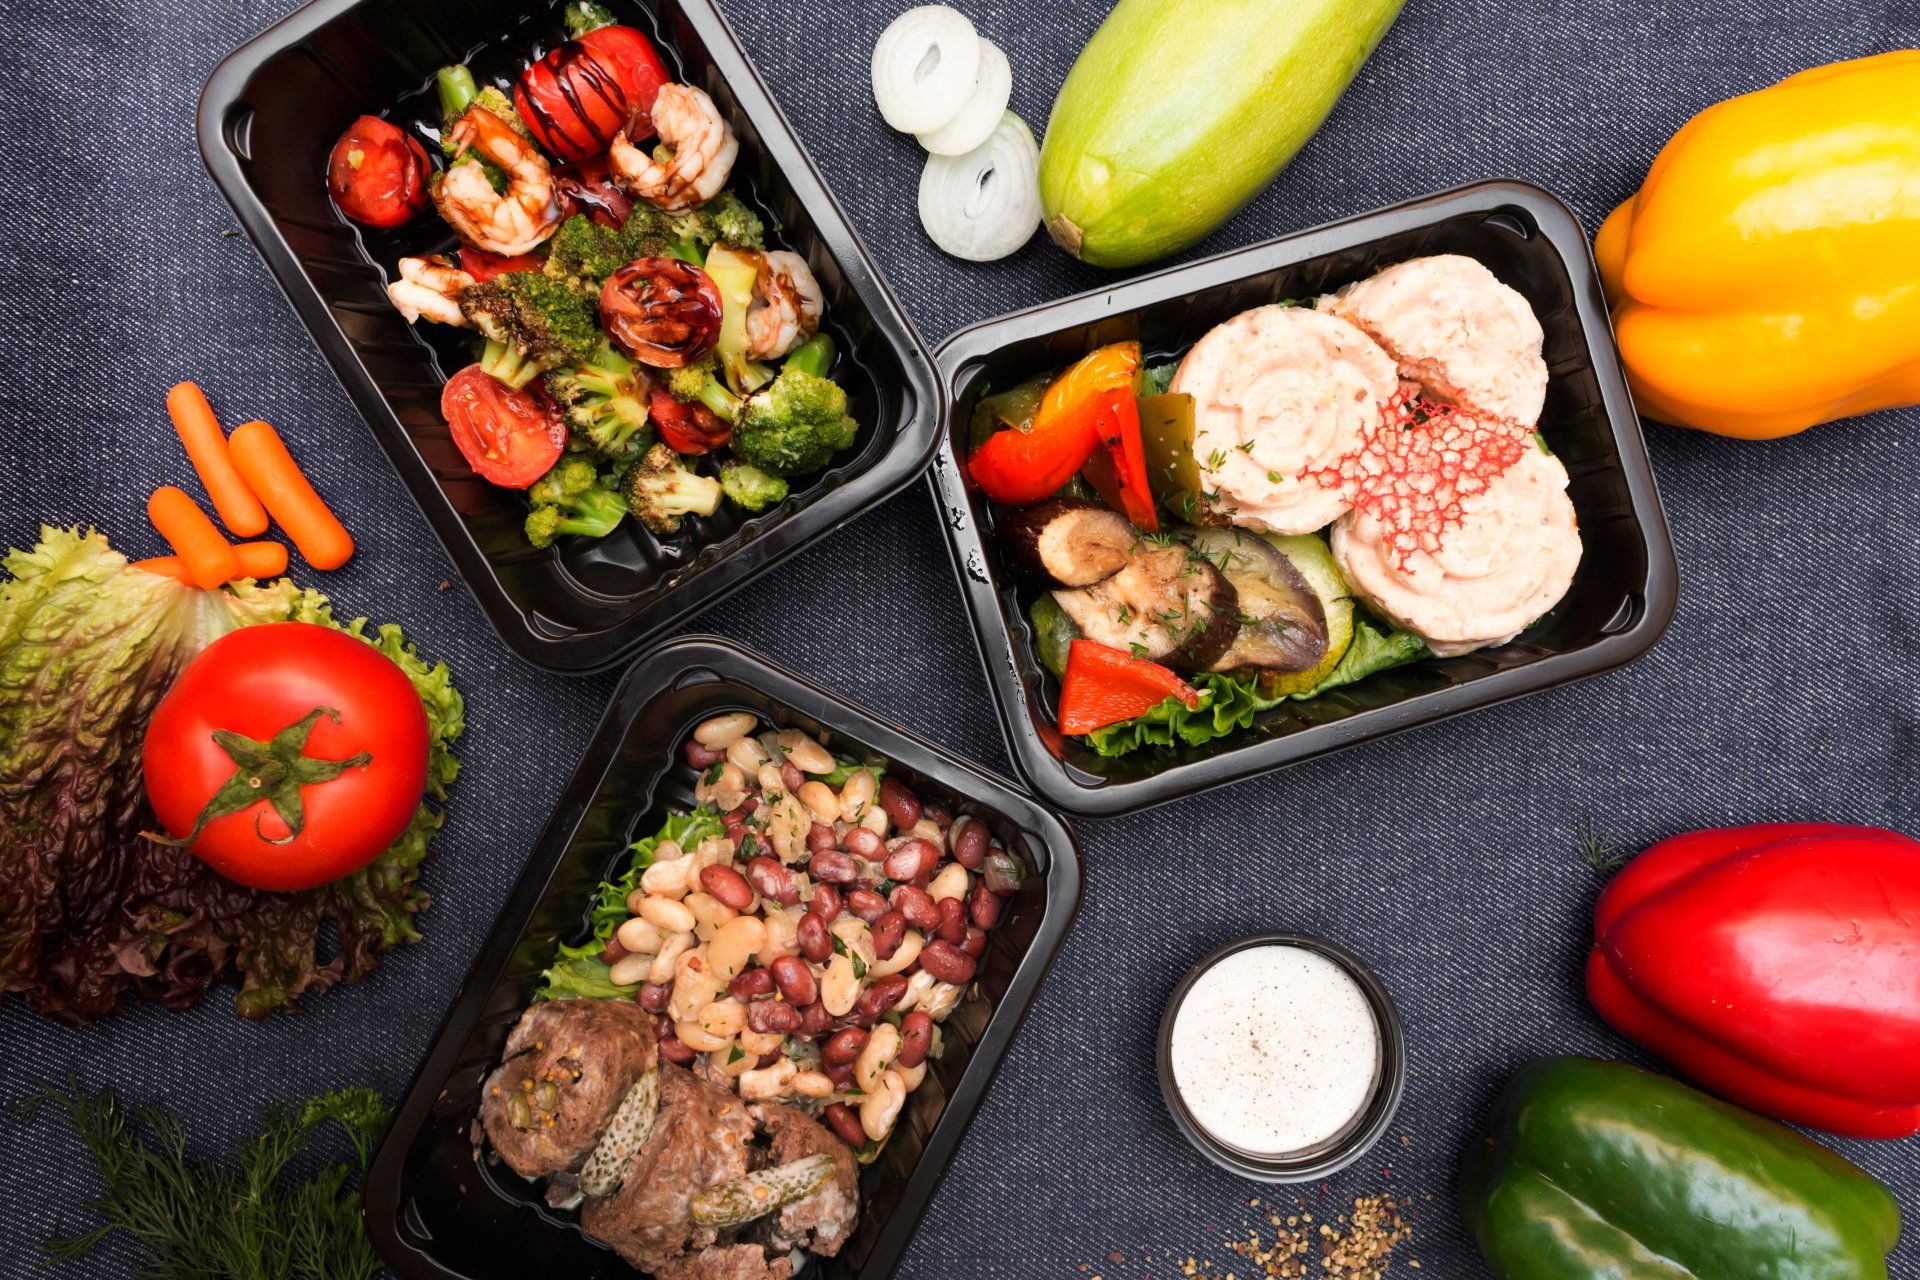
(700, 383)
(531, 322)
(794, 426)
(583, 254)
(586, 16)
(572, 499)
(748, 486)
(603, 399)
(725, 219)
(660, 490)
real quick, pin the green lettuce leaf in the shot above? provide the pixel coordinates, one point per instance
(578, 970)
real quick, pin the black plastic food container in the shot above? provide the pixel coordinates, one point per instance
(1621, 600)
(437, 1209)
(268, 118)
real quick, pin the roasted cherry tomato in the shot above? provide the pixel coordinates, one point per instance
(589, 188)
(287, 755)
(584, 92)
(378, 173)
(483, 265)
(510, 438)
(686, 428)
(662, 311)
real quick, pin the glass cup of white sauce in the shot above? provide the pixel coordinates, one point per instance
(1282, 1057)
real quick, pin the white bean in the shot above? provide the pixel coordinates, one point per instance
(856, 797)
(807, 755)
(638, 935)
(811, 1084)
(722, 732)
(911, 1076)
(917, 988)
(941, 1000)
(839, 989)
(694, 987)
(788, 823)
(883, 1045)
(759, 1042)
(734, 944)
(697, 1037)
(725, 789)
(782, 926)
(952, 882)
(876, 820)
(667, 879)
(748, 754)
(772, 781)
(929, 830)
(727, 1064)
(763, 1083)
(668, 915)
(905, 954)
(724, 1018)
(670, 952)
(882, 1107)
(630, 970)
(820, 801)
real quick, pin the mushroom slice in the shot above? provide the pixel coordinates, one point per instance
(1283, 625)
(1168, 604)
(1068, 542)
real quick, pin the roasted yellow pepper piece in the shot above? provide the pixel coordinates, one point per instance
(1767, 276)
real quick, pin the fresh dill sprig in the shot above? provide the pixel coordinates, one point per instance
(1598, 850)
(196, 1221)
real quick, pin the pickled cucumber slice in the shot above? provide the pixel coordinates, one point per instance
(738, 1200)
(626, 1133)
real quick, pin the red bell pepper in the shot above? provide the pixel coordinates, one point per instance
(1017, 466)
(483, 264)
(1118, 469)
(1778, 965)
(1104, 686)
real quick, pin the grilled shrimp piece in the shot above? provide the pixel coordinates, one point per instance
(703, 147)
(786, 308)
(430, 287)
(513, 223)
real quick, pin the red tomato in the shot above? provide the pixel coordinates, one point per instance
(661, 311)
(287, 719)
(510, 438)
(378, 173)
(483, 265)
(686, 428)
(576, 98)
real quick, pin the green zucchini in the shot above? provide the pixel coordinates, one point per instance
(1178, 112)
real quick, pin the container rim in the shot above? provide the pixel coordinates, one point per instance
(1657, 597)
(223, 124)
(658, 672)
(1367, 1128)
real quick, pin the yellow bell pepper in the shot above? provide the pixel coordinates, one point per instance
(1767, 276)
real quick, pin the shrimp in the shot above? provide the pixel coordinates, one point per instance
(513, 223)
(430, 287)
(703, 146)
(786, 307)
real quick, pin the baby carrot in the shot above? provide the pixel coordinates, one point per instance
(166, 567)
(257, 560)
(206, 446)
(206, 556)
(273, 474)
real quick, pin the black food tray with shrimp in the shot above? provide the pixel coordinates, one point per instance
(421, 149)
(575, 1118)
(1376, 334)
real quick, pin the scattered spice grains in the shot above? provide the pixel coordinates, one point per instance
(1356, 1245)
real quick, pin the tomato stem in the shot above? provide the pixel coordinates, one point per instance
(275, 771)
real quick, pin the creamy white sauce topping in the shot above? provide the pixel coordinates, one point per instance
(1275, 1049)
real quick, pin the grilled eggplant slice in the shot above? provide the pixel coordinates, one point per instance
(1283, 624)
(1168, 604)
(1066, 542)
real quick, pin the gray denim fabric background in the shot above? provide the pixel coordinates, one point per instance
(1785, 689)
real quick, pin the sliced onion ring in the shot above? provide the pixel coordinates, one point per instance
(984, 205)
(925, 67)
(977, 120)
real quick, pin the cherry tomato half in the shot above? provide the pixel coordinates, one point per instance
(639, 67)
(483, 265)
(510, 438)
(377, 173)
(576, 98)
(686, 428)
(314, 726)
(662, 311)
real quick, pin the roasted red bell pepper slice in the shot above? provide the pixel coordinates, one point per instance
(1104, 686)
(1016, 467)
(483, 264)
(1118, 469)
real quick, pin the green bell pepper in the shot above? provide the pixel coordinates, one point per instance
(1600, 1171)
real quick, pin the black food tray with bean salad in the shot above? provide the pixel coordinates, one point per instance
(641, 350)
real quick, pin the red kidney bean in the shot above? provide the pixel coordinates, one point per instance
(840, 1073)
(953, 920)
(753, 984)
(863, 843)
(821, 838)
(825, 902)
(941, 815)
(653, 997)
(610, 955)
(916, 1037)
(888, 932)
(845, 1124)
(796, 982)
(976, 942)
(983, 907)
(662, 1026)
(703, 757)
(772, 880)
(866, 904)
(910, 859)
(859, 1017)
(834, 867)
(1002, 872)
(946, 962)
(815, 1021)
(969, 843)
(882, 996)
(773, 1017)
(767, 1059)
(811, 935)
(674, 1051)
(791, 775)
(902, 806)
(918, 906)
(843, 1046)
(728, 885)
